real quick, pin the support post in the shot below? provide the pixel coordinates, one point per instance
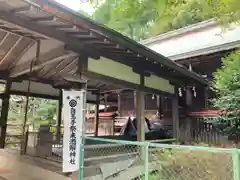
(119, 104)
(146, 161)
(59, 117)
(188, 97)
(97, 114)
(135, 103)
(4, 113)
(140, 103)
(235, 159)
(206, 97)
(160, 107)
(175, 117)
(82, 67)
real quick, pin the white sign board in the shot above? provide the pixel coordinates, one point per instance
(73, 119)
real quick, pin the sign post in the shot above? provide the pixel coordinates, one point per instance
(73, 140)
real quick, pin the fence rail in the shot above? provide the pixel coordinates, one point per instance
(155, 161)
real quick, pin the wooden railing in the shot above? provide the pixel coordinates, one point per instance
(200, 126)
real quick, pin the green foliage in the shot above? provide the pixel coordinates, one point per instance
(47, 111)
(119, 15)
(226, 11)
(140, 19)
(39, 110)
(227, 87)
(178, 14)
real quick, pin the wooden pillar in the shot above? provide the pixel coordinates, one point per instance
(105, 102)
(160, 106)
(175, 117)
(140, 103)
(119, 103)
(97, 113)
(206, 97)
(59, 116)
(4, 113)
(135, 102)
(188, 97)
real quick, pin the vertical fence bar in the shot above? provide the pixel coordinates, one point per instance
(80, 174)
(236, 170)
(146, 159)
(81, 160)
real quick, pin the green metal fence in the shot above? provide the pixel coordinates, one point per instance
(127, 160)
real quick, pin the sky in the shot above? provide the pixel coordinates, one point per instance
(78, 5)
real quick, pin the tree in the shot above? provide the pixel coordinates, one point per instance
(47, 111)
(140, 19)
(226, 11)
(134, 24)
(227, 87)
(178, 14)
(39, 110)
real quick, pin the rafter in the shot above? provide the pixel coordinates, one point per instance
(11, 49)
(50, 57)
(40, 29)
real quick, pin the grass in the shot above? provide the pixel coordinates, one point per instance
(176, 164)
(191, 165)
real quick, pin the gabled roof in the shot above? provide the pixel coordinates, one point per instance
(198, 39)
(64, 35)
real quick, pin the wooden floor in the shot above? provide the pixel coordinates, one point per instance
(16, 167)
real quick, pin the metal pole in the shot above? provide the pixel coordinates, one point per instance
(236, 170)
(82, 67)
(146, 159)
(81, 160)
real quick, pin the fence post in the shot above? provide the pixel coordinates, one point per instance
(26, 142)
(236, 170)
(81, 161)
(146, 160)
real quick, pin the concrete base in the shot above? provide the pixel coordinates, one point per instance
(16, 167)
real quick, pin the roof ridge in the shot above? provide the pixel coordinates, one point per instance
(180, 31)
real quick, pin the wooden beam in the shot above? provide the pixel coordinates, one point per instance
(27, 47)
(51, 32)
(46, 18)
(20, 93)
(44, 96)
(47, 31)
(141, 66)
(4, 113)
(124, 84)
(21, 9)
(62, 26)
(48, 58)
